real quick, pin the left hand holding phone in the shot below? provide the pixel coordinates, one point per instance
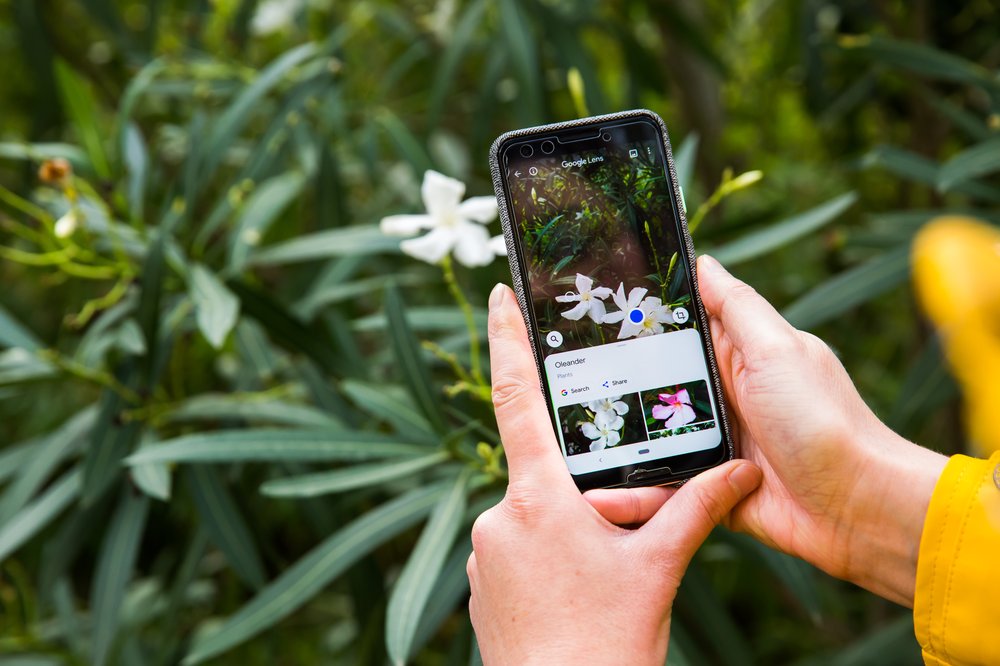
(552, 580)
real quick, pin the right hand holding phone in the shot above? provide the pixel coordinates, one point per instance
(840, 489)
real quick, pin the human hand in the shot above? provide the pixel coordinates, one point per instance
(554, 582)
(840, 489)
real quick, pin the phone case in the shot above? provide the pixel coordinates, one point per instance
(520, 289)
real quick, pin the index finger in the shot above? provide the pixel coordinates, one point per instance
(532, 451)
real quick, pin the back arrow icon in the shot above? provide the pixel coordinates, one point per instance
(517, 174)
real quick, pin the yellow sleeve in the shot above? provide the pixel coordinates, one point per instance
(956, 607)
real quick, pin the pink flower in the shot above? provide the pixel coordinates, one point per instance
(676, 409)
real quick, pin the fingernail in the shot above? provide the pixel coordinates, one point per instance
(497, 295)
(709, 263)
(745, 478)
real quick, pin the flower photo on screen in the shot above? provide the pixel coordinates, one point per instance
(602, 424)
(602, 250)
(677, 409)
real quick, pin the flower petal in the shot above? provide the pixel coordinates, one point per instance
(472, 245)
(683, 396)
(431, 247)
(440, 193)
(681, 416)
(614, 317)
(499, 246)
(613, 438)
(635, 297)
(598, 444)
(597, 310)
(589, 430)
(629, 330)
(568, 297)
(577, 312)
(661, 412)
(478, 209)
(583, 283)
(600, 292)
(620, 407)
(406, 225)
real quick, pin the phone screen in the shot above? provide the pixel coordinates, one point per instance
(606, 273)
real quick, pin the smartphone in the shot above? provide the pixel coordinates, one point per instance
(604, 270)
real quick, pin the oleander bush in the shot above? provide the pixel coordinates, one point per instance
(241, 424)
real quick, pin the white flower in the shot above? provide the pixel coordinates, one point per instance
(455, 225)
(604, 431)
(610, 406)
(625, 305)
(588, 300)
(654, 316)
(274, 16)
(66, 225)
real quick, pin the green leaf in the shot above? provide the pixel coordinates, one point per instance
(410, 148)
(452, 588)
(684, 161)
(798, 576)
(216, 307)
(349, 478)
(136, 159)
(918, 168)
(239, 111)
(409, 360)
(154, 479)
(890, 643)
(115, 562)
(348, 241)
(520, 42)
(449, 62)
(15, 334)
(261, 209)
(416, 582)
(47, 454)
(850, 288)
(979, 160)
(268, 445)
(36, 515)
(81, 107)
(922, 59)
(109, 442)
(926, 385)
(225, 525)
(779, 234)
(328, 294)
(250, 408)
(38, 152)
(387, 403)
(429, 318)
(19, 365)
(307, 577)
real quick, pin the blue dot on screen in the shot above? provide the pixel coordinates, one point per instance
(636, 316)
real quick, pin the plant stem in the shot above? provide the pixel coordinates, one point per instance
(81, 371)
(470, 322)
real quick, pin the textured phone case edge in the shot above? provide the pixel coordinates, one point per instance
(515, 268)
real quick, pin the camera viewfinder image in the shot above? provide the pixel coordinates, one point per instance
(602, 250)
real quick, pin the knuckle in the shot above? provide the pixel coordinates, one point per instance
(470, 567)
(483, 529)
(509, 390)
(524, 504)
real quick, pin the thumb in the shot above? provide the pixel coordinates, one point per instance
(529, 442)
(748, 319)
(686, 519)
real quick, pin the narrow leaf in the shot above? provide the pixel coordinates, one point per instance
(684, 161)
(81, 107)
(349, 478)
(115, 563)
(215, 306)
(135, 155)
(979, 160)
(260, 211)
(922, 59)
(413, 589)
(348, 241)
(275, 445)
(409, 359)
(14, 334)
(388, 403)
(451, 588)
(36, 515)
(779, 234)
(850, 288)
(225, 525)
(250, 408)
(307, 577)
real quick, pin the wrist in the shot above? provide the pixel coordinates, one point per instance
(886, 513)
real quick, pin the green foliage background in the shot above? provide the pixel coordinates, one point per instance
(222, 438)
